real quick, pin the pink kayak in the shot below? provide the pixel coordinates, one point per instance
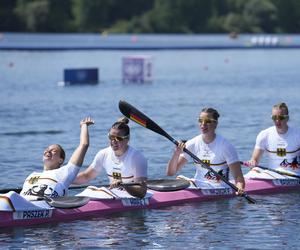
(99, 207)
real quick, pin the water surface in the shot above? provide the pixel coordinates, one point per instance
(241, 84)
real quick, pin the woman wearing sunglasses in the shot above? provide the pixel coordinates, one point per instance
(212, 149)
(122, 163)
(281, 143)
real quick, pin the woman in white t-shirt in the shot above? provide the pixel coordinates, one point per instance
(280, 142)
(212, 149)
(121, 162)
(55, 179)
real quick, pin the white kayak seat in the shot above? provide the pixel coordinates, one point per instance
(106, 193)
(258, 173)
(12, 201)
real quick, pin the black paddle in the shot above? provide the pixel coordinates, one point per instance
(163, 185)
(18, 190)
(273, 170)
(137, 116)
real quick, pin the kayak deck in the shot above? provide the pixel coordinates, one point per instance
(95, 208)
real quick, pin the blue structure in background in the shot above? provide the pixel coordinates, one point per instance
(81, 76)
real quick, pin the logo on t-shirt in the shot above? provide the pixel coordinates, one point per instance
(293, 165)
(281, 151)
(33, 179)
(117, 176)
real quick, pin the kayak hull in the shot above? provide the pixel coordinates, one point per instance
(95, 208)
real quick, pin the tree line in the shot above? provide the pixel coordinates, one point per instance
(150, 16)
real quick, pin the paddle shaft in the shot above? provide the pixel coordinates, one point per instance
(273, 170)
(137, 116)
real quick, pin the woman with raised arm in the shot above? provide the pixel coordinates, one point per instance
(212, 149)
(121, 162)
(55, 179)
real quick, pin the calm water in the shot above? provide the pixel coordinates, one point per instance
(241, 84)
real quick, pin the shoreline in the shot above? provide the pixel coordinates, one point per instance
(78, 41)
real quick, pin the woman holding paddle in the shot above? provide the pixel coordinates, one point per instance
(123, 164)
(280, 142)
(55, 179)
(214, 151)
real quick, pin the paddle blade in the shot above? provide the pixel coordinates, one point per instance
(137, 116)
(167, 185)
(68, 201)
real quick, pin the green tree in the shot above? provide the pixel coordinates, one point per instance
(151, 16)
(260, 16)
(288, 15)
(44, 15)
(98, 15)
(8, 20)
(33, 14)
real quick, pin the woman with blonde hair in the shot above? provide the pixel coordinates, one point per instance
(212, 149)
(281, 143)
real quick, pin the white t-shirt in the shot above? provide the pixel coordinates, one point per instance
(132, 164)
(218, 154)
(50, 183)
(283, 150)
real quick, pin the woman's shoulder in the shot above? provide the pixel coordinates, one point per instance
(104, 150)
(268, 130)
(135, 152)
(194, 139)
(222, 140)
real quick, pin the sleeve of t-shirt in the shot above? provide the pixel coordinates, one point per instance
(261, 140)
(97, 163)
(190, 146)
(140, 166)
(230, 154)
(67, 173)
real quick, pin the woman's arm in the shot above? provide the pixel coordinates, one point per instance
(177, 161)
(79, 153)
(85, 176)
(236, 171)
(256, 156)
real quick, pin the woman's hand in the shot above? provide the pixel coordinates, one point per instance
(251, 163)
(88, 121)
(240, 192)
(115, 184)
(180, 147)
(240, 188)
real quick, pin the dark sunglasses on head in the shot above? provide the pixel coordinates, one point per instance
(279, 117)
(117, 138)
(206, 120)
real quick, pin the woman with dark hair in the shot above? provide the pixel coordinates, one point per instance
(214, 150)
(55, 179)
(122, 163)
